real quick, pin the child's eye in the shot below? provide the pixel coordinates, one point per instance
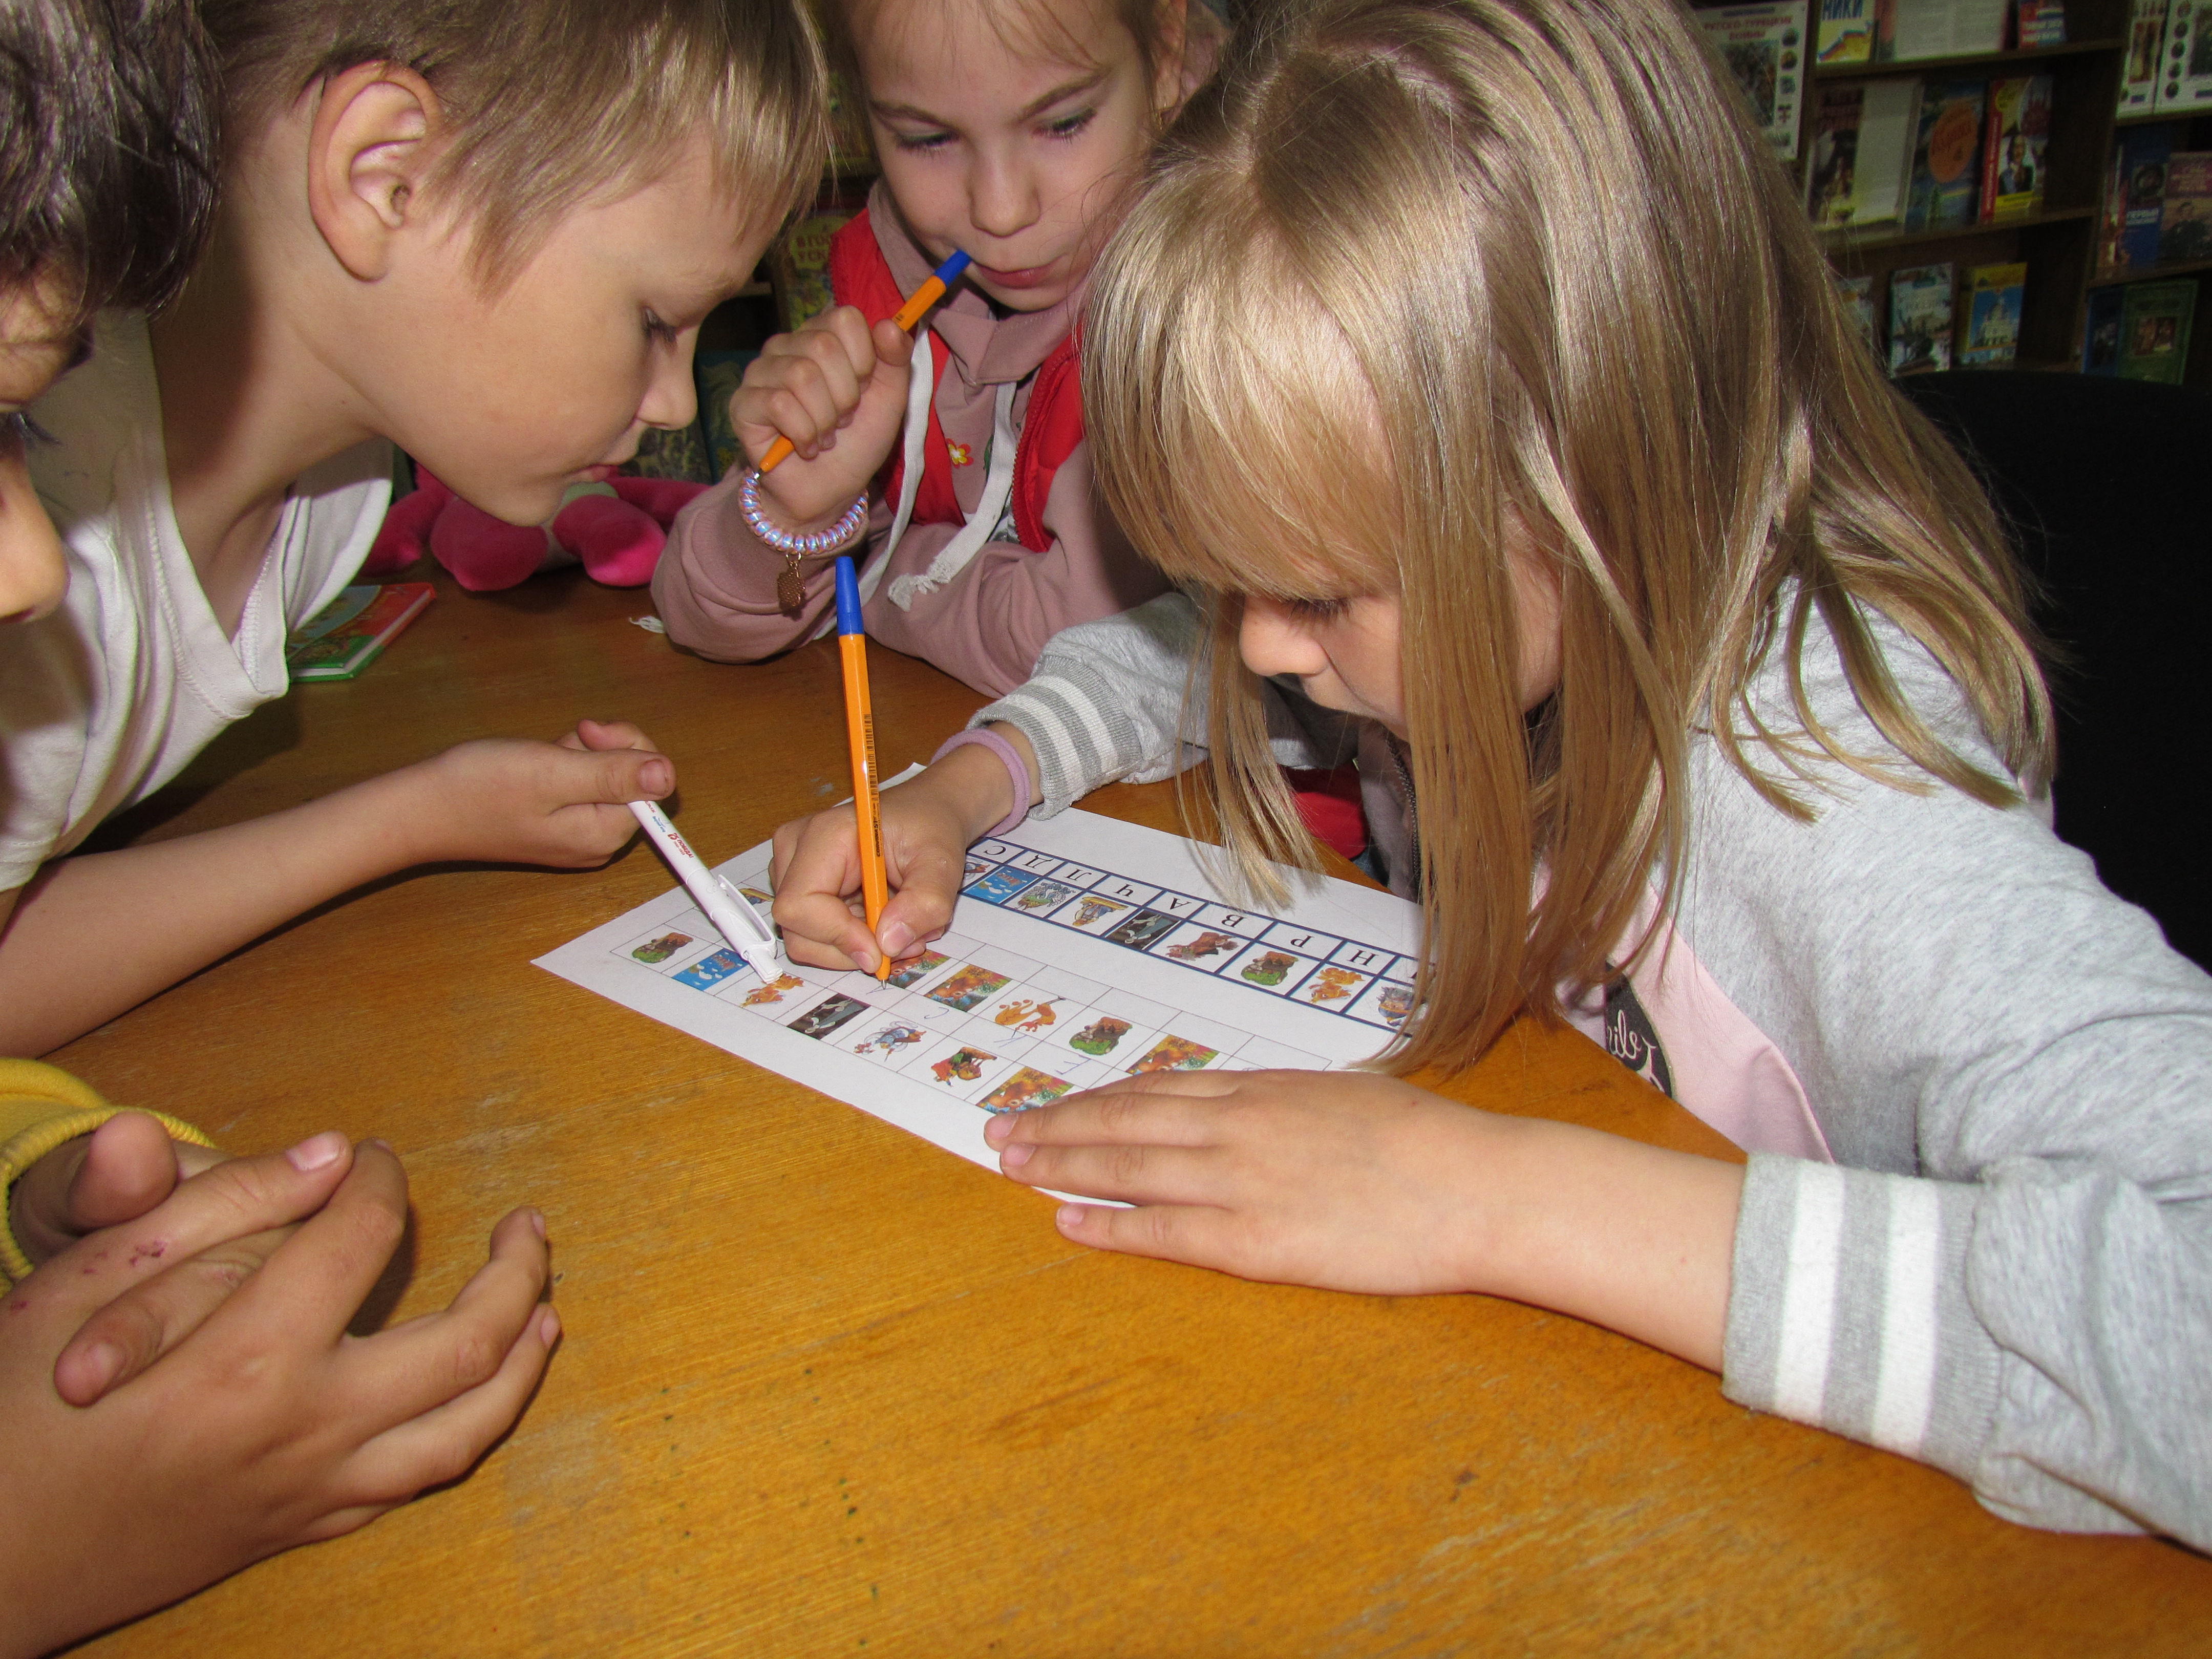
(1068, 125)
(1317, 611)
(921, 141)
(657, 329)
(23, 431)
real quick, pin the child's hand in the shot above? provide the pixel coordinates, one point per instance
(928, 823)
(116, 1174)
(837, 389)
(1354, 1182)
(1344, 1180)
(264, 1426)
(509, 801)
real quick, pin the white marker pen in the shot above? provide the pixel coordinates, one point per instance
(733, 916)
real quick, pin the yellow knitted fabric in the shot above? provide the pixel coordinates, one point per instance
(41, 1107)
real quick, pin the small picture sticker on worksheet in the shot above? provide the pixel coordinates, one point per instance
(975, 869)
(1025, 1009)
(910, 971)
(773, 998)
(1196, 946)
(1174, 1054)
(1024, 1088)
(1090, 914)
(999, 885)
(1140, 930)
(1041, 897)
(827, 1015)
(969, 987)
(1329, 985)
(712, 970)
(1097, 1035)
(1270, 969)
(662, 948)
(1385, 1003)
(888, 1043)
(965, 1070)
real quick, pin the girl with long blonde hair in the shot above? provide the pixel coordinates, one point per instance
(1471, 363)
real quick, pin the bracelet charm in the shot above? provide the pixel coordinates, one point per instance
(790, 587)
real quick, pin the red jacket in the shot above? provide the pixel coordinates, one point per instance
(1051, 429)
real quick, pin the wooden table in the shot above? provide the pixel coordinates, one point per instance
(825, 1389)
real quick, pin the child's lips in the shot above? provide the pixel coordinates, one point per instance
(1028, 277)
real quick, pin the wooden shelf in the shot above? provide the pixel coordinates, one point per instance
(1843, 239)
(1869, 70)
(2150, 273)
(2157, 118)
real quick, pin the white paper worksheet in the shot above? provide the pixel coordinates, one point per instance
(1082, 950)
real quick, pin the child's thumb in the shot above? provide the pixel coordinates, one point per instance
(629, 775)
(894, 345)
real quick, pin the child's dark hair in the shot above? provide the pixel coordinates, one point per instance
(107, 181)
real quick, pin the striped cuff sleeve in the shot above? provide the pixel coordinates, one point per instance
(1848, 1309)
(1084, 736)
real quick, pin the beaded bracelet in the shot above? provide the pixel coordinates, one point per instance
(790, 591)
(1015, 770)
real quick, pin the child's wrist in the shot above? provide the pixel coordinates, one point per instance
(994, 775)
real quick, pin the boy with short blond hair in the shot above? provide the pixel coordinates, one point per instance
(486, 230)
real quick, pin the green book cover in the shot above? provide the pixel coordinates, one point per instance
(2154, 330)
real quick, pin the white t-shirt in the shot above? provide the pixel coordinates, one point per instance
(106, 699)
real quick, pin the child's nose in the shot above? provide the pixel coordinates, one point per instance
(1272, 642)
(672, 396)
(1002, 198)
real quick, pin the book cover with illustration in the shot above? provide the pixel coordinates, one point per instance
(2139, 56)
(1832, 177)
(2135, 198)
(2039, 23)
(1945, 184)
(2184, 214)
(2154, 330)
(2184, 78)
(2013, 141)
(1847, 31)
(351, 631)
(1764, 47)
(2100, 338)
(1920, 318)
(1994, 296)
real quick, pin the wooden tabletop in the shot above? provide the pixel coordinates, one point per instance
(824, 1388)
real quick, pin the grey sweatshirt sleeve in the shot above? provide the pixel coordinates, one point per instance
(1116, 700)
(2008, 1273)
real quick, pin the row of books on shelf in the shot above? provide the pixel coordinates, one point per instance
(1926, 330)
(2158, 203)
(2167, 63)
(1885, 31)
(1928, 155)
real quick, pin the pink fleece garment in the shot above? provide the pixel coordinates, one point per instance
(716, 586)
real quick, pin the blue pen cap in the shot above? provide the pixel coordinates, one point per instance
(949, 272)
(849, 597)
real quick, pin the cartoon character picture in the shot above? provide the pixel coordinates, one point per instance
(975, 869)
(1102, 1037)
(1333, 985)
(1174, 1054)
(1269, 968)
(1037, 900)
(970, 986)
(1024, 1088)
(1092, 911)
(654, 952)
(1140, 930)
(1028, 1015)
(711, 970)
(1394, 1004)
(826, 1016)
(753, 894)
(905, 974)
(999, 885)
(890, 1039)
(1205, 945)
(962, 1066)
(775, 991)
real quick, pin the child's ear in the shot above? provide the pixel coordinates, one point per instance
(375, 134)
(1191, 38)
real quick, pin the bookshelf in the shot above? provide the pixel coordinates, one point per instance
(2060, 244)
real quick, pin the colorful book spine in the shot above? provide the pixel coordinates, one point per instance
(2014, 140)
(2154, 330)
(2185, 224)
(1996, 299)
(1920, 318)
(2041, 23)
(1831, 179)
(2139, 181)
(2139, 60)
(1946, 191)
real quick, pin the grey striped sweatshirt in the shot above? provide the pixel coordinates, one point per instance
(2007, 1271)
